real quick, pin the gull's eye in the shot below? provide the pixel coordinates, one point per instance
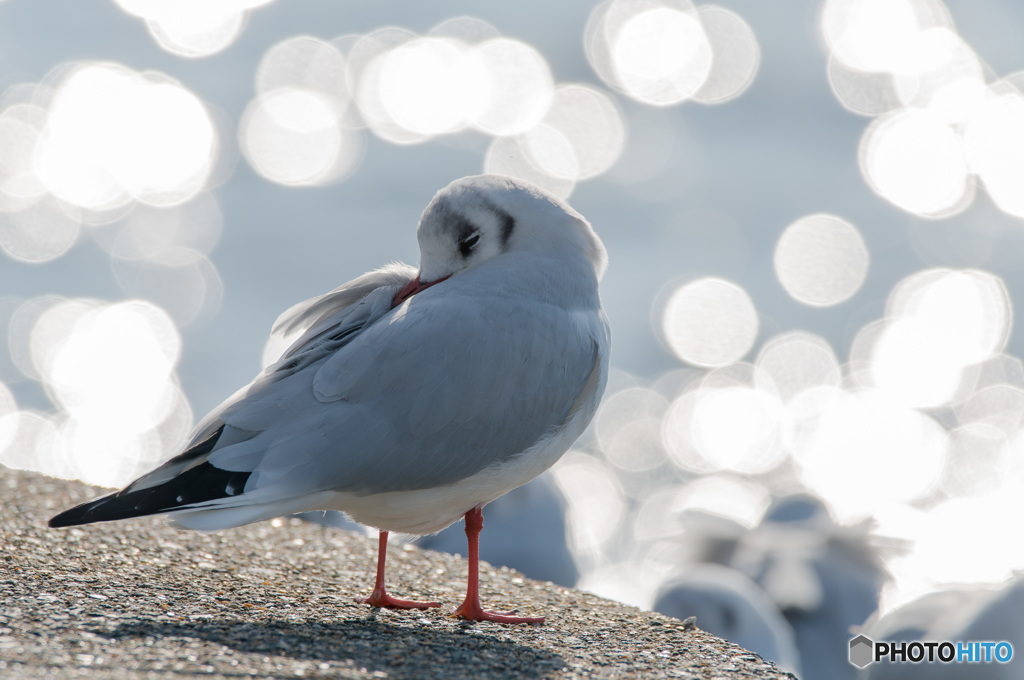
(467, 243)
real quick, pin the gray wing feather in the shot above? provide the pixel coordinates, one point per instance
(324, 309)
(432, 393)
(330, 321)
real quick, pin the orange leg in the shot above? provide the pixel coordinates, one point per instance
(470, 609)
(380, 597)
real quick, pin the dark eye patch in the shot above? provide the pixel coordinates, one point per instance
(467, 234)
(468, 242)
(508, 223)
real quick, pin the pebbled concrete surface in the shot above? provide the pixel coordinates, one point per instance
(141, 599)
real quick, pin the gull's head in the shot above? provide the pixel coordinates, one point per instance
(475, 219)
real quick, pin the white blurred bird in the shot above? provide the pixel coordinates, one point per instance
(823, 577)
(966, 614)
(731, 606)
(411, 398)
(525, 531)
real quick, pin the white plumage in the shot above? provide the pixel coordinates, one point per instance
(410, 398)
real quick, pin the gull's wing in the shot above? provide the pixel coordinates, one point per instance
(326, 322)
(444, 387)
(329, 321)
(328, 310)
(372, 400)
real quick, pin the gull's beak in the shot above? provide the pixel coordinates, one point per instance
(412, 288)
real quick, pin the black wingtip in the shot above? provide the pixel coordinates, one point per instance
(77, 515)
(197, 483)
(61, 520)
(105, 509)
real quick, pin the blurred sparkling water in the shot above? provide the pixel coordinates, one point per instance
(812, 210)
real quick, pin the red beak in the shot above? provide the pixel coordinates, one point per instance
(412, 288)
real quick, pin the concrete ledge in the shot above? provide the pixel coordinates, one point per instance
(140, 599)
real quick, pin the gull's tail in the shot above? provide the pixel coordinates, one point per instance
(185, 481)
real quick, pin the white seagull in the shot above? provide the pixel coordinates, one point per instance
(412, 398)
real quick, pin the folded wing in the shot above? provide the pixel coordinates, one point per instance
(189, 480)
(372, 400)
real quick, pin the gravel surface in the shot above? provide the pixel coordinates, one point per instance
(141, 599)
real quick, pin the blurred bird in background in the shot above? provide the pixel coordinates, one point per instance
(954, 614)
(820, 578)
(525, 531)
(731, 606)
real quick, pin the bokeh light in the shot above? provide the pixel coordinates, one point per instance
(792, 363)
(595, 502)
(411, 88)
(661, 55)
(305, 62)
(981, 553)
(666, 52)
(509, 156)
(519, 86)
(113, 135)
(433, 86)
(34, 444)
(945, 77)
(677, 434)
(153, 233)
(182, 281)
(994, 143)
(979, 461)
(862, 92)
(998, 407)
(710, 322)
(878, 35)
(939, 322)
(865, 452)
(35, 226)
(731, 420)
(738, 429)
(20, 127)
(298, 131)
(192, 28)
(628, 428)
(39, 233)
(737, 499)
(110, 370)
(735, 55)
(942, 124)
(821, 260)
(301, 129)
(111, 365)
(581, 136)
(293, 137)
(915, 160)
(366, 59)
(8, 419)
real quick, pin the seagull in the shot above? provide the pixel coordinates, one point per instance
(961, 614)
(410, 398)
(731, 606)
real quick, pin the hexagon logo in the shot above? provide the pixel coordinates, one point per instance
(862, 651)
